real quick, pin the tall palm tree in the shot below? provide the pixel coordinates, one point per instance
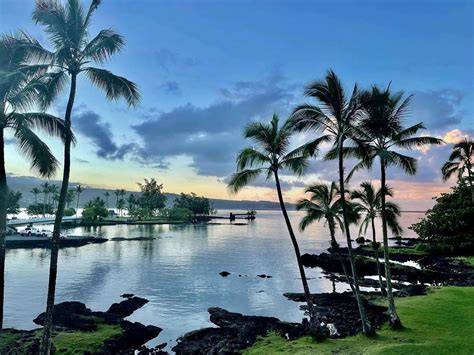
(35, 191)
(79, 191)
(19, 90)
(269, 156)
(106, 195)
(460, 161)
(380, 133)
(336, 114)
(45, 189)
(369, 202)
(67, 26)
(325, 203)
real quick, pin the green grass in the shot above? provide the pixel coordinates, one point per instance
(467, 259)
(76, 342)
(440, 323)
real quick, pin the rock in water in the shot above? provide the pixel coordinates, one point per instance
(127, 307)
(224, 273)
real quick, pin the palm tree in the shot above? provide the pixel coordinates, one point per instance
(107, 195)
(45, 188)
(325, 203)
(19, 90)
(270, 155)
(336, 114)
(380, 132)
(67, 26)
(79, 191)
(369, 202)
(35, 191)
(71, 194)
(460, 161)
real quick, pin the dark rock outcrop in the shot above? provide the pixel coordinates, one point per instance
(341, 310)
(127, 307)
(235, 332)
(224, 273)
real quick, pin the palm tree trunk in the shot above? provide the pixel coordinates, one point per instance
(469, 176)
(366, 326)
(376, 251)
(3, 221)
(395, 322)
(314, 323)
(45, 346)
(335, 248)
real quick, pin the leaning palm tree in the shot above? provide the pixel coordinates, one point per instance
(325, 203)
(460, 161)
(269, 156)
(336, 114)
(369, 202)
(19, 90)
(67, 26)
(379, 134)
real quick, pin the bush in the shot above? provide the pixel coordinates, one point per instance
(180, 214)
(69, 212)
(448, 228)
(94, 210)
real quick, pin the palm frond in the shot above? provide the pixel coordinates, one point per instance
(103, 46)
(416, 142)
(250, 157)
(242, 178)
(408, 164)
(114, 86)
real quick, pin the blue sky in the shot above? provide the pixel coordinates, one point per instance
(206, 68)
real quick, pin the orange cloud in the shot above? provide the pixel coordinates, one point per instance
(454, 136)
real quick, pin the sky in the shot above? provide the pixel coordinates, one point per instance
(207, 68)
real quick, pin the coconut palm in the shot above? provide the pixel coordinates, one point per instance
(19, 92)
(325, 203)
(45, 190)
(369, 202)
(67, 26)
(106, 195)
(79, 191)
(381, 134)
(460, 161)
(35, 191)
(271, 154)
(336, 114)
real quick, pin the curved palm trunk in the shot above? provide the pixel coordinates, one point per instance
(394, 319)
(3, 221)
(314, 322)
(366, 327)
(376, 252)
(45, 346)
(335, 248)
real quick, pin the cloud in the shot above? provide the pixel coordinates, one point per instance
(167, 60)
(455, 136)
(89, 124)
(211, 135)
(171, 88)
(437, 109)
(9, 141)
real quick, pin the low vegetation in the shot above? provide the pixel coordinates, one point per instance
(442, 320)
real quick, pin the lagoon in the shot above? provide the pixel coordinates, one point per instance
(177, 270)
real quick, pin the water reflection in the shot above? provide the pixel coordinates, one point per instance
(176, 269)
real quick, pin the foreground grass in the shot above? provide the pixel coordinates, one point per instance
(467, 259)
(439, 323)
(76, 342)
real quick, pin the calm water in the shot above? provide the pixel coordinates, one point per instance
(177, 272)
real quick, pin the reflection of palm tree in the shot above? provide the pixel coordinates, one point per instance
(67, 27)
(380, 132)
(270, 155)
(460, 161)
(336, 114)
(19, 91)
(369, 202)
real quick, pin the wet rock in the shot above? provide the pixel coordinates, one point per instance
(127, 307)
(264, 276)
(72, 315)
(361, 240)
(224, 273)
(134, 335)
(127, 295)
(340, 309)
(235, 332)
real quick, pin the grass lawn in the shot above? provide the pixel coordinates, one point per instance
(440, 323)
